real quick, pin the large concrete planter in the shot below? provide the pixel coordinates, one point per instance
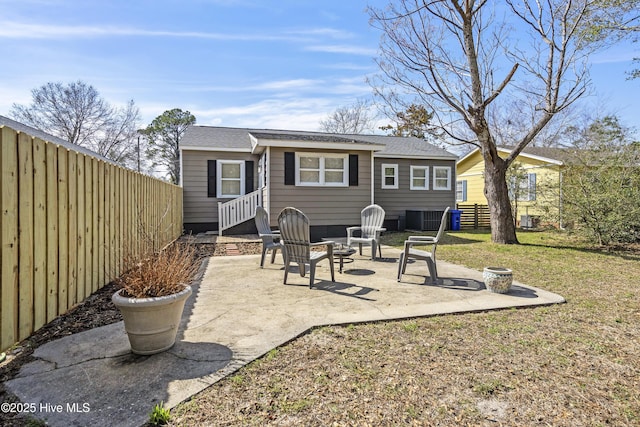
(151, 323)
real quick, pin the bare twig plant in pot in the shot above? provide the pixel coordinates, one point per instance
(154, 291)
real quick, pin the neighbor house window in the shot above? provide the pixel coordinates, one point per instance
(314, 169)
(230, 178)
(419, 178)
(389, 175)
(523, 187)
(531, 187)
(441, 178)
(461, 191)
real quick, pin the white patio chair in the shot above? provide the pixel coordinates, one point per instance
(428, 256)
(296, 242)
(270, 238)
(371, 220)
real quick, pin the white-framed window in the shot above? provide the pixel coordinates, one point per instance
(461, 191)
(322, 169)
(531, 187)
(523, 187)
(441, 178)
(230, 177)
(389, 175)
(419, 178)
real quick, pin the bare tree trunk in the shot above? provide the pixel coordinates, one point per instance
(495, 190)
(445, 55)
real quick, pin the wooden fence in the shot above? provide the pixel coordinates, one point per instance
(67, 222)
(474, 216)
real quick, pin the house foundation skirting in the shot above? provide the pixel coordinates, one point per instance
(317, 231)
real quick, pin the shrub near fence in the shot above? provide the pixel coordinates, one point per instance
(67, 221)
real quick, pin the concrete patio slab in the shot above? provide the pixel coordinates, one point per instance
(236, 314)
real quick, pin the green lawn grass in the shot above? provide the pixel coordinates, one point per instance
(564, 365)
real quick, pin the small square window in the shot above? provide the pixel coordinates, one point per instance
(441, 178)
(419, 178)
(390, 176)
(230, 178)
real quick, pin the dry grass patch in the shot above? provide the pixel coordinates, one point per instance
(574, 364)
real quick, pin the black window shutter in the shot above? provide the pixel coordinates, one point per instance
(211, 178)
(353, 170)
(248, 176)
(289, 168)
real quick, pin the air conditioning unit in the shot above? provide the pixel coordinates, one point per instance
(529, 221)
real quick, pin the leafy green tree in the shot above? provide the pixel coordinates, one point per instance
(601, 185)
(163, 139)
(414, 121)
(612, 18)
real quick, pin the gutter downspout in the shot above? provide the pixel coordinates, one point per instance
(373, 180)
(181, 179)
(267, 172)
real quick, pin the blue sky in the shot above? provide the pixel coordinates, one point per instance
(248, 63)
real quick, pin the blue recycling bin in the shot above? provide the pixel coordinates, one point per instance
(455, 219)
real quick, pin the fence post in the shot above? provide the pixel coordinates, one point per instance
(40, 237)
(475, 216)
(25, 235)
(9, 237)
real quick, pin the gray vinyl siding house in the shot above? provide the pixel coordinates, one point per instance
(325, 206)
(330, 177)
(199, 207)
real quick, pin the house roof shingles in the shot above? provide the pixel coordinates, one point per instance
(213, 137)
(566, 155)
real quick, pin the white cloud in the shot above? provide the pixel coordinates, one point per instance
(20, 30)
(293, 113)
(327, 85)
(346, 49)
(350, 66)
(300, 84)
(623, 51)
(613, 57)
(13, 93)
(325, 32)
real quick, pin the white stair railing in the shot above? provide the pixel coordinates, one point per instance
(238, 210)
